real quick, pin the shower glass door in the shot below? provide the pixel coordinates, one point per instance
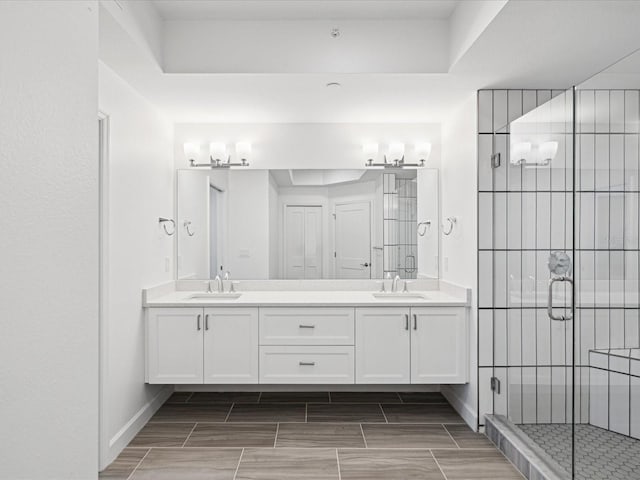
(534, 266)
(564, 255)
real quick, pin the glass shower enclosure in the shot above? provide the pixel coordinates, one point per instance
(561, 240)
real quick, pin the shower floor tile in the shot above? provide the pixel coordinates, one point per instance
(600, 454)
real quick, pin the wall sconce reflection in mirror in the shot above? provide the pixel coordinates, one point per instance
(164, 221)
(423, 227)
(218, 156)
(450, 223)
(187, 227)
(533, 155)
(395, 156)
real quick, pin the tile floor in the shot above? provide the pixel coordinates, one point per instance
(600, 454)
(308, 436)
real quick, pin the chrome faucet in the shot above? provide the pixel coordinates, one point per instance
(219, 284)
(227, 278)
(394, 285)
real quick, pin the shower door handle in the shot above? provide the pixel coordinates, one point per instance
(560, 318)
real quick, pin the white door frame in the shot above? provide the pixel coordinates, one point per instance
(103, 292)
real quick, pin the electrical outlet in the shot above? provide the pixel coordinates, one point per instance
(445, 264)
(167, 264)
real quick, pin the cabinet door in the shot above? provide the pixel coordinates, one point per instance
(231, 345)
(174, 345)
(439, 346)
(382, 345)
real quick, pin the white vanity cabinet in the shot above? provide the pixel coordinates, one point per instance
(419, 345)
(439, 345)
(174, 345)
(231, 345)
(196, 345)
(382, 345)
(307, 345)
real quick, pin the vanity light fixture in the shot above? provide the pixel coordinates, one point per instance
(533, 156)
(394, 157)
(218, 156)
(370, 151)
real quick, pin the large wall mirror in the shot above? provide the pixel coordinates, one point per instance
(307, 224)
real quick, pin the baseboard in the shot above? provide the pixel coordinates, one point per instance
(130, 429)
(463, 409)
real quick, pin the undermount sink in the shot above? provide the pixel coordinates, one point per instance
(215, 296)
(398, 296)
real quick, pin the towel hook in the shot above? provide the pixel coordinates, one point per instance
(423, 231)
(163, 222)
(187, 224)
(451, 223)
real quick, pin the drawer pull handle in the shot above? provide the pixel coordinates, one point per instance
(307, 364)
(206, 322)
(406, 321)
(307, 326)
(198, 322)
(415, 322)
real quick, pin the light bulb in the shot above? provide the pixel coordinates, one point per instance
(191, 151)
(370, 151)
(218, 151)
(423, 150)
(243, 150)
(396, 151)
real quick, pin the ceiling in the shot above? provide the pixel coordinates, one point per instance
(304, 9)
(517, 44)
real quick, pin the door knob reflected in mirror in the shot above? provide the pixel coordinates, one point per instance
(365, 264)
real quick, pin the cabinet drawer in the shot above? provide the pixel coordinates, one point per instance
(306, 326)
(306, 364)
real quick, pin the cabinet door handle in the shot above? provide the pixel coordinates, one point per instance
(307, 364)
(206, 322)
(406, 321)
(198, 322)
(307, 326)
(415, 321)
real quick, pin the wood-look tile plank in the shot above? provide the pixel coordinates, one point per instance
(294, 397)
(267, 412)
(407, 436)
(364, 397)
(313, 435)
(188, 412)
(188, 464)
(225, 397)
(388, 465)
(344, 412)
(467, 438)
(121, 467)
(162, 435)
(179, 397)
(288, 464)
(233, 435)
(421, 413)
(475, 464)
(422, 397)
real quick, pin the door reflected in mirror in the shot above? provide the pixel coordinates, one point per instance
(307, 224)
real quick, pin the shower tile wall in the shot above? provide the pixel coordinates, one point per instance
(400, 249)
(524, 214)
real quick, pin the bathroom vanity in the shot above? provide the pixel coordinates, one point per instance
(306, 337)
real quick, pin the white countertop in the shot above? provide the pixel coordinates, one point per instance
(434, 298)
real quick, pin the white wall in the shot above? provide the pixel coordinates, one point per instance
(49, 240)
(140, 189)
(308, 145)
(248, 225)
(459, 250)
